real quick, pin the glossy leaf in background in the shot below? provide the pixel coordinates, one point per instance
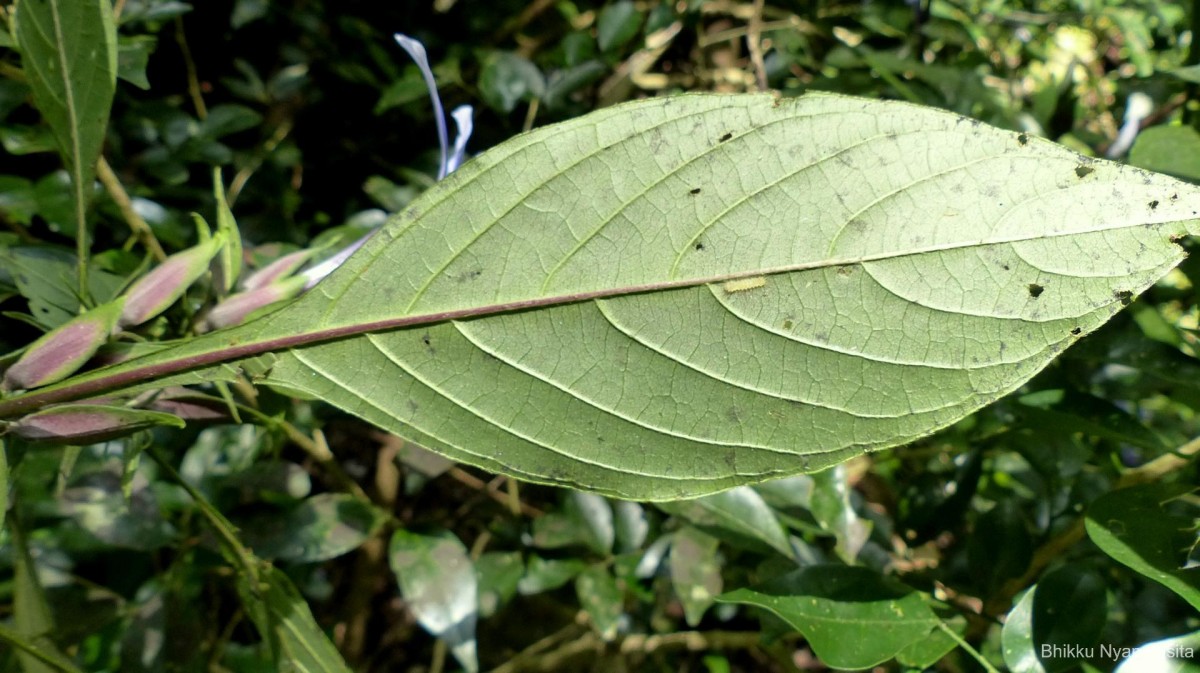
(319, 528)
(1055, 621)
(852, 617)
(542, 574)
(617, 24)
(832, 508)
(497, 575)
(695, 571)
(1141, 528)
(586, 519)
(1001, 546)
(117, 510)
(601, 596)
(737, 514)
(1018, 645)
(283, 619)
(1174, 150)
(439, 586)
(509, 78)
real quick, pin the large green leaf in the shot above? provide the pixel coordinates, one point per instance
(673, 297)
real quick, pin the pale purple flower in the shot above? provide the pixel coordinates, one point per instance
(451, 159)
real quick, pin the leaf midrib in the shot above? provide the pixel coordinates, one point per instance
(195, 355)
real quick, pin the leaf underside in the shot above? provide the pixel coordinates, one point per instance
(915, 265)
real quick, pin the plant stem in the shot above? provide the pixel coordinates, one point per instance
(222, 526)
(140, 229)
(193, 80)
(974, 653)
(754, 45)
(1191, 114)
(693, 641)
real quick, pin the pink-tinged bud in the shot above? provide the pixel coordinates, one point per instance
(190, 405)
(280, 268)
(236, 309)
(63, 350)
(167, 282)
(81, 424)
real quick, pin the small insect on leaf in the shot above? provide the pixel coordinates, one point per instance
(743, 284)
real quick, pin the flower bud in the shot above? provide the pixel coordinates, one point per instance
(236, 309)
(81, 424)
(63, 350)
(190, 405)
(280, 268)
(167, 282)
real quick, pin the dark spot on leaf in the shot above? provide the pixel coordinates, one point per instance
(1153, 204)
(845, 270)
(787, 324)
(1076, 331)
(1005, 267)
(725, 137)
(425, 339)
(1125, 296)
(699, 246)
(1036, 290)
(469, 275)
(1174, 197)
(1023, 139)
(1083, 170)
(695, 190)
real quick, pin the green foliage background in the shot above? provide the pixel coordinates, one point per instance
(1006, 532)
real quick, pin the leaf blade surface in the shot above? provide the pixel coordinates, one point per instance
(560, 308)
